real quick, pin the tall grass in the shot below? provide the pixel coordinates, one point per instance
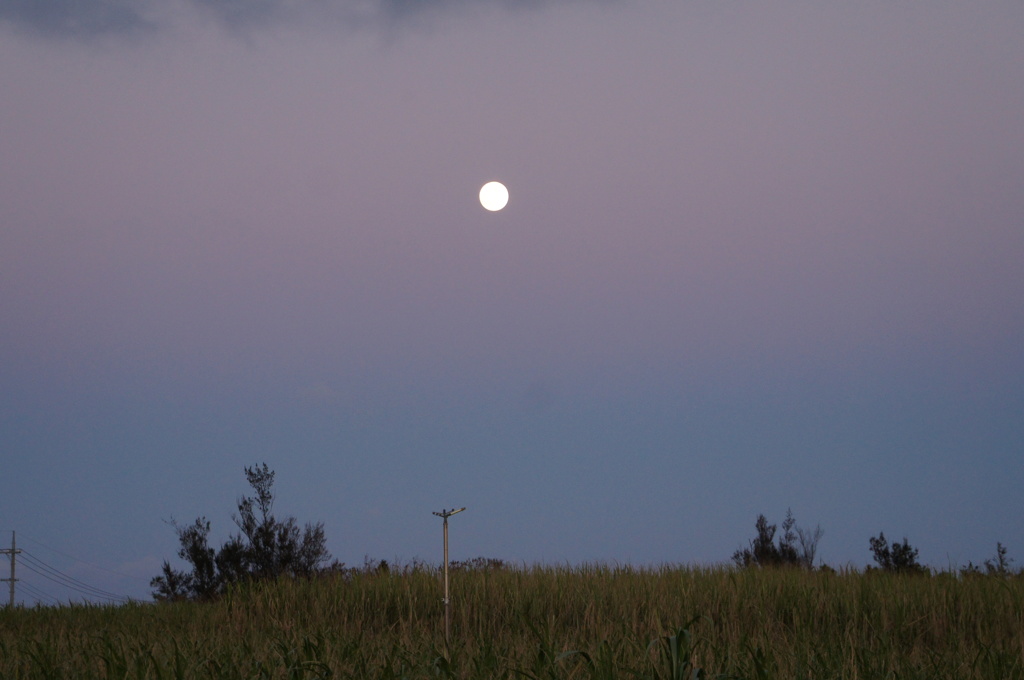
(592, 621)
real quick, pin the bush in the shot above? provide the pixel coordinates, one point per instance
(997, 566)
(266, 548)
(899, 558)
(796, 547)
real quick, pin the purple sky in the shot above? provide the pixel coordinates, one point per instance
(755, 257)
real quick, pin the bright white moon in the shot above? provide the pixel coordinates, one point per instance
(493, 196)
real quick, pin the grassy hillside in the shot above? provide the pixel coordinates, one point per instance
(544, 622)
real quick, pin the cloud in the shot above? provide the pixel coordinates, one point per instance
(91, 18)
(74, 18)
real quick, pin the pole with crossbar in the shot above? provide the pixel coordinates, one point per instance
(13, 579)
(445, 514)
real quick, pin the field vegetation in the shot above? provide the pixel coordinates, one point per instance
(544, 622)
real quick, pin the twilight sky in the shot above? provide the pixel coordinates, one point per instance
(756, 256)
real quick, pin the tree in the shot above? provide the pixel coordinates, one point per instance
(809, 544)
(172, 585)
(266, 548)
(1000, 566)
(900, 558)
(764, 552)
(997, 566)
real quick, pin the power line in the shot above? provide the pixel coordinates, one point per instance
(39, 594)
(48, 572)
(83, 591)
(41, 568)
(72, 557)
(58, 576)
(64, 584)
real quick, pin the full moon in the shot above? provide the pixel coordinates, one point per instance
(493, 196)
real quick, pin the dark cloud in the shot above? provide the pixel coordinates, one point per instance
(88, 18)
(406, 7)
(255, 12)
(73, 17)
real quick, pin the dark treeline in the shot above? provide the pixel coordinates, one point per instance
(797, 547)
(268, 548)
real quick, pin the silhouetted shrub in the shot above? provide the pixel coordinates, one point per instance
(266, 548)
(899, 558)
(477, 564)
(796, 547)
(997, 566)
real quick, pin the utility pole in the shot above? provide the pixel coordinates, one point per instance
(447, 615)
(12, 552)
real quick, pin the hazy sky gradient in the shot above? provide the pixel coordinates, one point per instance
(755, 257)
